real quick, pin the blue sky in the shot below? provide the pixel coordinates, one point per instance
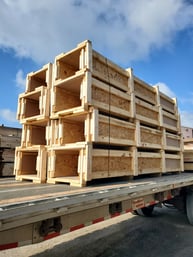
(154, 37)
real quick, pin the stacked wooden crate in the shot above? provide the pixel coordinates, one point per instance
(9, 139)
(33, 113)
(102, 122)
(188, 154)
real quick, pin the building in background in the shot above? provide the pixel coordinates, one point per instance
(187, 132)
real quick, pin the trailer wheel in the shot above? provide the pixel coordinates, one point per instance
(189, 207)
(145, 211)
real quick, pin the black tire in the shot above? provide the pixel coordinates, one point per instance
(189, 207)
(146, 211)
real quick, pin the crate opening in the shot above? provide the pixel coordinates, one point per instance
(37, 80)
(66, 163)
(68, 64)
(31, 107)
(65, 99)
(38, 135)
(28, 163)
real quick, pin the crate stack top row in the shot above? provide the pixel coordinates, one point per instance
(85, 118)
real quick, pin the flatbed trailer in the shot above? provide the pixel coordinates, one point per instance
(31, 213)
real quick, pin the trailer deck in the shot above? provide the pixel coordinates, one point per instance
(43, 211)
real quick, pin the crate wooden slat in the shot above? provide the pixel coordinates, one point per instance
(144, 91)
(173, 162)
(188, 154)
(172, 141)
(146, 113)
(84, 57)
(148, 162)
(30, 164)
(42, 77)
(34, 106)
(170, 121)
(108, 130)
(167, 103)
(147, 137)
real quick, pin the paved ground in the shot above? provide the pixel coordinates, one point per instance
(166, 234)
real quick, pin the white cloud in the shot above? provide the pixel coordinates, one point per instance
(165, 89)
(20, 80)
(120, 29)
(8, 115)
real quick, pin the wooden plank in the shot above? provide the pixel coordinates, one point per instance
(173, 162)
(109, 72)
(172, 142)
(167, 103)
(149, 162)
(111, 100)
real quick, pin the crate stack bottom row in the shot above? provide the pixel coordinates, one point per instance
(100, 122)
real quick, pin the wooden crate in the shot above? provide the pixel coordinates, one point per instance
(188, 155)
(173, 162)
(68, 130)
(34, 135)
(167, 103)
(147, 137)
(9, 141)
(42, 77)
(81, 163)
(108, 130)
(146, 113)
(188, 143)
(144, 91)
(91, 126)
(84, 57)
(147, 162)
(82, 90)
(172, 142)
(170, 121)
(34, 106)
(30, 164)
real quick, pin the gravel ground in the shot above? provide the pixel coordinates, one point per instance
(166, 234)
